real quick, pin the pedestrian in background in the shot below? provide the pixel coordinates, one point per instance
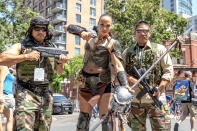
(101, 53)
(6, 81)
(187, 106)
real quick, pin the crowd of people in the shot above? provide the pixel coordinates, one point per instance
(31, 105)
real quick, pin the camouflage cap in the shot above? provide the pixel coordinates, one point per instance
(39, 20)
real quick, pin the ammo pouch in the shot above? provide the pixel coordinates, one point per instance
(36, 89)
(94, 79)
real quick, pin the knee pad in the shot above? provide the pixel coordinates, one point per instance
(106, 125)
(83, 122)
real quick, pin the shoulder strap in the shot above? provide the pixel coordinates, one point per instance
(110, 44)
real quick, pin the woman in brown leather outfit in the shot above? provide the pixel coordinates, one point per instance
(102, 54)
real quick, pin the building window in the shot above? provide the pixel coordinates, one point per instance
(78, 18)
(77, 40)
(93, 2)
(180, 60)
(41, 5)
(64, 37)
(92, 22)
(195, 21)
(35, 1)
(35, 9)
(48, 2)
(26, 1)
(189, 23)
(92, 11)
(29, 4)
(78, 7)
(61, 46)
(48, 11)
(42, 13)
(77, 51)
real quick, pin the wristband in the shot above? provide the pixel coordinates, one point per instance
(26, 57)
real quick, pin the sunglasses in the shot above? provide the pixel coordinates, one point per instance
(40, 28)
(142, 31)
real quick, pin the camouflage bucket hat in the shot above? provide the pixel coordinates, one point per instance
(38, 20)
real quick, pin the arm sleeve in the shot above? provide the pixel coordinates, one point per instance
(75, 29)
(166, 64)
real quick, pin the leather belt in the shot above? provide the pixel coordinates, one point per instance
(35, 88)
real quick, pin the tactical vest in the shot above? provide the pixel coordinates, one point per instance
(100, 55)
(25, 69)
(148, 58)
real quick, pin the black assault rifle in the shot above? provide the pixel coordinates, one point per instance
(146, 89)
(50, 51)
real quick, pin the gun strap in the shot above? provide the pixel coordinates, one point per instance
(110, 45)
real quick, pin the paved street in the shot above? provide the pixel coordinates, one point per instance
(68, 123)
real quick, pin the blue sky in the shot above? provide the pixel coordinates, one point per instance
(194, 8)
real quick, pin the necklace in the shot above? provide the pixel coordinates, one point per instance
(100, 41)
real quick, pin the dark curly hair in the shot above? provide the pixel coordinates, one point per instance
(28, 34)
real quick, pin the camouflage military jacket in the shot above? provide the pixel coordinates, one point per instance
(143, 58)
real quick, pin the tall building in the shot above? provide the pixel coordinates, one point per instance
(181, 7)
(64, 12)
(192, 21)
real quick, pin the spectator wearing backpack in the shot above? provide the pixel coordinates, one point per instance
(188, 106)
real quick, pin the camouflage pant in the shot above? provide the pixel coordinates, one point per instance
(33, 110)
(137, 118)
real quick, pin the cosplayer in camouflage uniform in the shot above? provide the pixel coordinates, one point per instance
(142, 55)
(33, 97)
(97, 88)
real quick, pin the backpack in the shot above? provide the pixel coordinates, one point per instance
(181, 90)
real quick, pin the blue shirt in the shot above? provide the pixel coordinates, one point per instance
(7, 85)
